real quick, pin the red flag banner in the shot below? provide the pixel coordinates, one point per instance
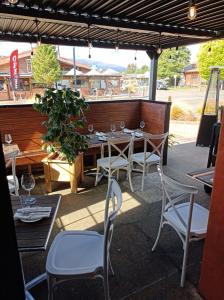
(14, 69)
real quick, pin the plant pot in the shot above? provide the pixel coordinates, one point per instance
(60, 170)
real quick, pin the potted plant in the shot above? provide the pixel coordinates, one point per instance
(65, 110)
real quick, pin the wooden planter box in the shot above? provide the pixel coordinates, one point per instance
(60, 170)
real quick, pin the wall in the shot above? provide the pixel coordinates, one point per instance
(212, 272)
(25, 124)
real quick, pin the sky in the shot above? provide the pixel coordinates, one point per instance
(120, 57)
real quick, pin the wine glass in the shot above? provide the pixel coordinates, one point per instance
(28, 183)
(8, 138)
(90, 128)
(122, 125)
(113, 128)
(142, 125)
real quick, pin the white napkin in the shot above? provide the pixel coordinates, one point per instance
(32, 213)
(126, 130)
(138, 134)
(100, 133)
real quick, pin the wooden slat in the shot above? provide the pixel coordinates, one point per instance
(25, 124)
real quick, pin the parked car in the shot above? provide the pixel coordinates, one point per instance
(161, 85)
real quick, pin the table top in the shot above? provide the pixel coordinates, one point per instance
(204, 176)
(35, 236)
(118, 136)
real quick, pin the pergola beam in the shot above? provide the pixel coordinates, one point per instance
(51, 15)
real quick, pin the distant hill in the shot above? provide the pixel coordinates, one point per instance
(101, 65)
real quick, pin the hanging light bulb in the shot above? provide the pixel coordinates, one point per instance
(13, 1)
(117, 43)
(90, 45)
(89, 53)
(209, 50)
(135, 55)
(192, 12)
(159, 50)
(31, 52)
(170, 57)
(117, 47)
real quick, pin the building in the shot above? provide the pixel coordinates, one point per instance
(192, 77)
(28, 87)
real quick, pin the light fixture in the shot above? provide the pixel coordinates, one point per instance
(192, 12)
(38, 35)
(90, 45)
(117, 43)
(89, 53)
(159, 49)
(31, 52)
(209, 50)
(13, 1)
(135, 55)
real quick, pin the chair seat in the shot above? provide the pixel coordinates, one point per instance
(116, 162)
(75, 253)
(11, 183)
(199, 218)
(139, 157)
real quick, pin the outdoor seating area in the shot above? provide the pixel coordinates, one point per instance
(139, 272)
(101, 189)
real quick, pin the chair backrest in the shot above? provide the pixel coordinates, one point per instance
(174, 192)
(117, 145)
(157, 142)
(112, 207)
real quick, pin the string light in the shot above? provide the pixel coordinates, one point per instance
(117, 43)
(13, 1)
(38, 35)
(90, 45)
(192, 12)
(159, 49)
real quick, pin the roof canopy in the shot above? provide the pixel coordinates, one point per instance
(131, 24)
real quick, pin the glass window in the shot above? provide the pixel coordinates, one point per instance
(28, 65)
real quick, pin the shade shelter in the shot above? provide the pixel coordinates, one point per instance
(139, 25)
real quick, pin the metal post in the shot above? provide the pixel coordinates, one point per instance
(74, 66)
(153, 73)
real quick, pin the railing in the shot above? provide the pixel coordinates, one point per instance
(25, 124)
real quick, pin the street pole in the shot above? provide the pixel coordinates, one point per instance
(74, 66)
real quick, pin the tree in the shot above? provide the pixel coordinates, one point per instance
(171, 62)
(143, 69)
(131, 68)
(45, 65)
(211, 54)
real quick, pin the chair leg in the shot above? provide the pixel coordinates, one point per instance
(50, 283)
(97, 175)
(129, 178)
(106, 286)
(143, 178)
(158, 235)
(183, 273)
(111, 268)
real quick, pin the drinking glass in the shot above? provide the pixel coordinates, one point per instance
(28, 183)
(113, 128)
(8, 138)
(142, 125)
(90, 128)
(122, 125)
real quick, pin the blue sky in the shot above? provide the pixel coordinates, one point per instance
(121, 57)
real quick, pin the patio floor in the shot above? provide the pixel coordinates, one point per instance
(139, 273)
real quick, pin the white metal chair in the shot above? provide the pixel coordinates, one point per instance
(146, 159)
(112, 164)
(84, 254)
(13, 182)
(187, 218)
